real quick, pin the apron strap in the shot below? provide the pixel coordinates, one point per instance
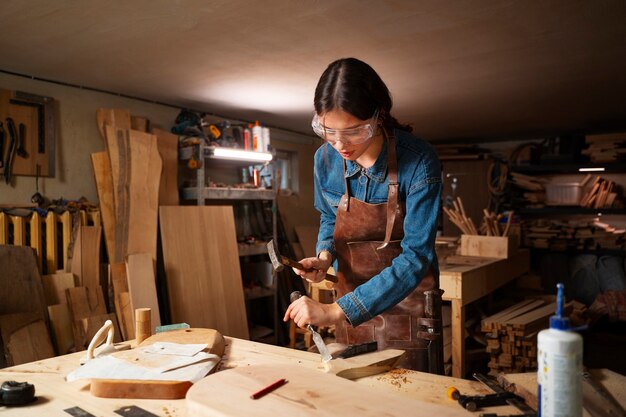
(392, 199)
(344, 203)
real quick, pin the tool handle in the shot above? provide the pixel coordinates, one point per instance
(99, 336)
(298, 265)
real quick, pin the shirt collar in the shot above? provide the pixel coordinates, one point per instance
(376, 172)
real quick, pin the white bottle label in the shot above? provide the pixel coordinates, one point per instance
(559, 379)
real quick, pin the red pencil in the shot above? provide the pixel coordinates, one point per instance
(268, 389)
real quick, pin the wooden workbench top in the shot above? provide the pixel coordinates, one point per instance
(55, 394)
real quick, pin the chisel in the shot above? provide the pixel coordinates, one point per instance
(317, 339)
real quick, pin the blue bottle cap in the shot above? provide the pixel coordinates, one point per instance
(558, 321)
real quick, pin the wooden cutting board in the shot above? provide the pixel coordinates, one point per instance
(307, 393)
(125, 388)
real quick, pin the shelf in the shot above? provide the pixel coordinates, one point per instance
(227, 193)
(560, 210)
(245, 158)
(258, 248)
(570, 168)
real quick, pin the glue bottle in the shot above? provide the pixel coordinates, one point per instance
(559, 362)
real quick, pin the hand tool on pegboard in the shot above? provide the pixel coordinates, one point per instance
(21, 139)
(279, 262)
(501, 397)
(8, 161)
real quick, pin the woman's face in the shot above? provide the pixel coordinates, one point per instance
(346, 144)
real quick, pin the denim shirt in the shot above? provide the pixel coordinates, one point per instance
(419, 177)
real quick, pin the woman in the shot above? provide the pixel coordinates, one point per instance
(378, 190)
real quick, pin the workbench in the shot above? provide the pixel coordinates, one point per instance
(465, 283)
(54, 394)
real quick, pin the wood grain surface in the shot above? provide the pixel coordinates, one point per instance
(202, 268)
(167, 144)
(307, 393)
(142, 285)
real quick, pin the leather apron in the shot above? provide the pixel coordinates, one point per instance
(367, 239)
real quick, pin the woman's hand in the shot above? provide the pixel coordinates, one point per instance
(319, 265)
(307, 311)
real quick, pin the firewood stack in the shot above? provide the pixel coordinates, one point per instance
(512, 333)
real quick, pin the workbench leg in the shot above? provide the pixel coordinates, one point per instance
(458, 339)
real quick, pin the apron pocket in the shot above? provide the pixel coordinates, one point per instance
(366, 261)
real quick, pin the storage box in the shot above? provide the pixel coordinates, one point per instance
(563, 194)
(488, 246)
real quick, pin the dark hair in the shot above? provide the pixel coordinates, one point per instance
(353, 86)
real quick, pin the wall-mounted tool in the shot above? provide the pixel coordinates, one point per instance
(21, 138)
(16, 393)
(279, 262)
(317, 339)
(8, 161)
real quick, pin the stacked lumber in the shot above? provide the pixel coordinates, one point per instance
(512, 333)
(24, 335)
(561, 235)
(606, 147)
(600, 194)
(129, 188)
(534, 192)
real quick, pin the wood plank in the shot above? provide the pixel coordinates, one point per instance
(488, 321)
(61, 326)
(143, 188)
(112, 117)
(85, 264)
(202, 268)
(167, 144)
(118, 148)
(54, 286)
(119, 282)
(104, 186)
(25, 338)
(92, 324)
(142, 286)
(308, 393)
(84, 303)
(22, 290)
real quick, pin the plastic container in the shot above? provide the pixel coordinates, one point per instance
(560, 366)
(563, 194)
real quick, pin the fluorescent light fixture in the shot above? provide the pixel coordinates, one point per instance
(590, 169)
(239, 155)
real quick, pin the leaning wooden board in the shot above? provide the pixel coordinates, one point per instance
(307, 393)
(124, 388)
(202, 268)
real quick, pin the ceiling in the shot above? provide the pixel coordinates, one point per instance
(456, 69)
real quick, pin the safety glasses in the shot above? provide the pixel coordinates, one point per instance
(352, 136)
